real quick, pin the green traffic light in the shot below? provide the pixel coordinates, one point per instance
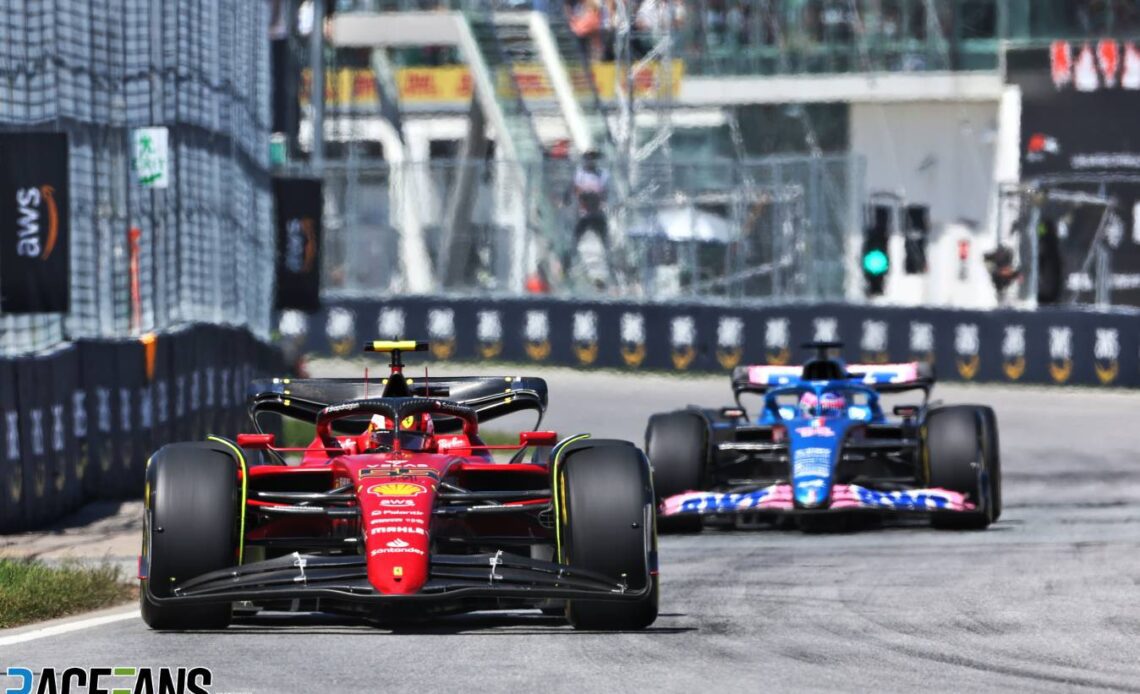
(875, 262)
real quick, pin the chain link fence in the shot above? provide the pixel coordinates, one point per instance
(774, 228)
(97, 69)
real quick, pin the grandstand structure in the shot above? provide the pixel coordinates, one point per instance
(780, 118)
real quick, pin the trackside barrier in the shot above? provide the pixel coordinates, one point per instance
(1047, 346)
(78, 423)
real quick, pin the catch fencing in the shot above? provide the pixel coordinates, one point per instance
(97, 70)
(774, 228)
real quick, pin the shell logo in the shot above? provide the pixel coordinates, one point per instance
(397, 489)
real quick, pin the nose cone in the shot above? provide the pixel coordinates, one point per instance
(396, 515)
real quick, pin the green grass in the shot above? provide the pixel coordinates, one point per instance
(31, 591)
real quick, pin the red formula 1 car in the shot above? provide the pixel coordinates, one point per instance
(397, 511)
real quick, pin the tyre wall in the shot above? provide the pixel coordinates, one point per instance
(78, 423)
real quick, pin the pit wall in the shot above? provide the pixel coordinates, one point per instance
(1047, 346)
(78, 423)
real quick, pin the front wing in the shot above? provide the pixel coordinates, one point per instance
(778, 498)
(345, 579)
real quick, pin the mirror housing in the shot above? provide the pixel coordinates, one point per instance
(538, 438)
(256, 442)
(906, 411)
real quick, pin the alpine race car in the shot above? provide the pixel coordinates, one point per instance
(821, 449)
(397, 510)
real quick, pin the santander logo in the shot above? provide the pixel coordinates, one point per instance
(32, 240)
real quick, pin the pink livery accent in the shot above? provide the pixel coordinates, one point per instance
(891, 373)
(778, 497)
(764, 375)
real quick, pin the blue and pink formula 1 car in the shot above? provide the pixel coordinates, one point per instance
(822, 450)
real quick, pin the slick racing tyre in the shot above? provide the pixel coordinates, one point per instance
(606, 524)
(676, 446)
(190, 528)
(957, 458)
(992, 450)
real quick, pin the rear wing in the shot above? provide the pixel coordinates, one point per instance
(884, 378)
(489, 396)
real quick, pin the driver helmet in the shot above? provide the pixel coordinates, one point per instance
(421, 423)
(832, 404)
(808, 401)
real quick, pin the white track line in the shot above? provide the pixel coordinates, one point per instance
(67, 627)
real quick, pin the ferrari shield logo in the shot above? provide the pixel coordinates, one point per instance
(489, 332)
(777, 335)
(966, 344)
(441, 330)
(340, 327)
(729, 341)
(632, 339)
(537, 333)
(1013, 351)
(1106, 351)
(873, 342)
(585, 337)
(922, 341)
(1060, 353)
(683, 333)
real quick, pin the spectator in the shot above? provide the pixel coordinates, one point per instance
(591, 189)
(585, 17)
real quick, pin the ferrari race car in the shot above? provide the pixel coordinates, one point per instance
(821, 449)
(398, 511)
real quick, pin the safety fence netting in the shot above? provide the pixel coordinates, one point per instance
(144, 257)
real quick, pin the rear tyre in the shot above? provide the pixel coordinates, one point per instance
(676, 446)
(607, 526)
(190, 528)
(955, 453)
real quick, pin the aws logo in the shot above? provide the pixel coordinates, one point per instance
(36, 207)
(300, 245)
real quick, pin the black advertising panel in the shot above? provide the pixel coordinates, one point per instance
(298, 202)
(1079, 101)
(68, 424)
(98, 370)
(11, 446)
(1047, 346)
(34, 396)
(34, 223)
(127, 474)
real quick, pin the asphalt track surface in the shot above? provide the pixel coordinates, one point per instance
(1045, 600)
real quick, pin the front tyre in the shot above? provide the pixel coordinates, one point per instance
(606, 523)
(677, 448)
(958, 458)
(190, 528)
